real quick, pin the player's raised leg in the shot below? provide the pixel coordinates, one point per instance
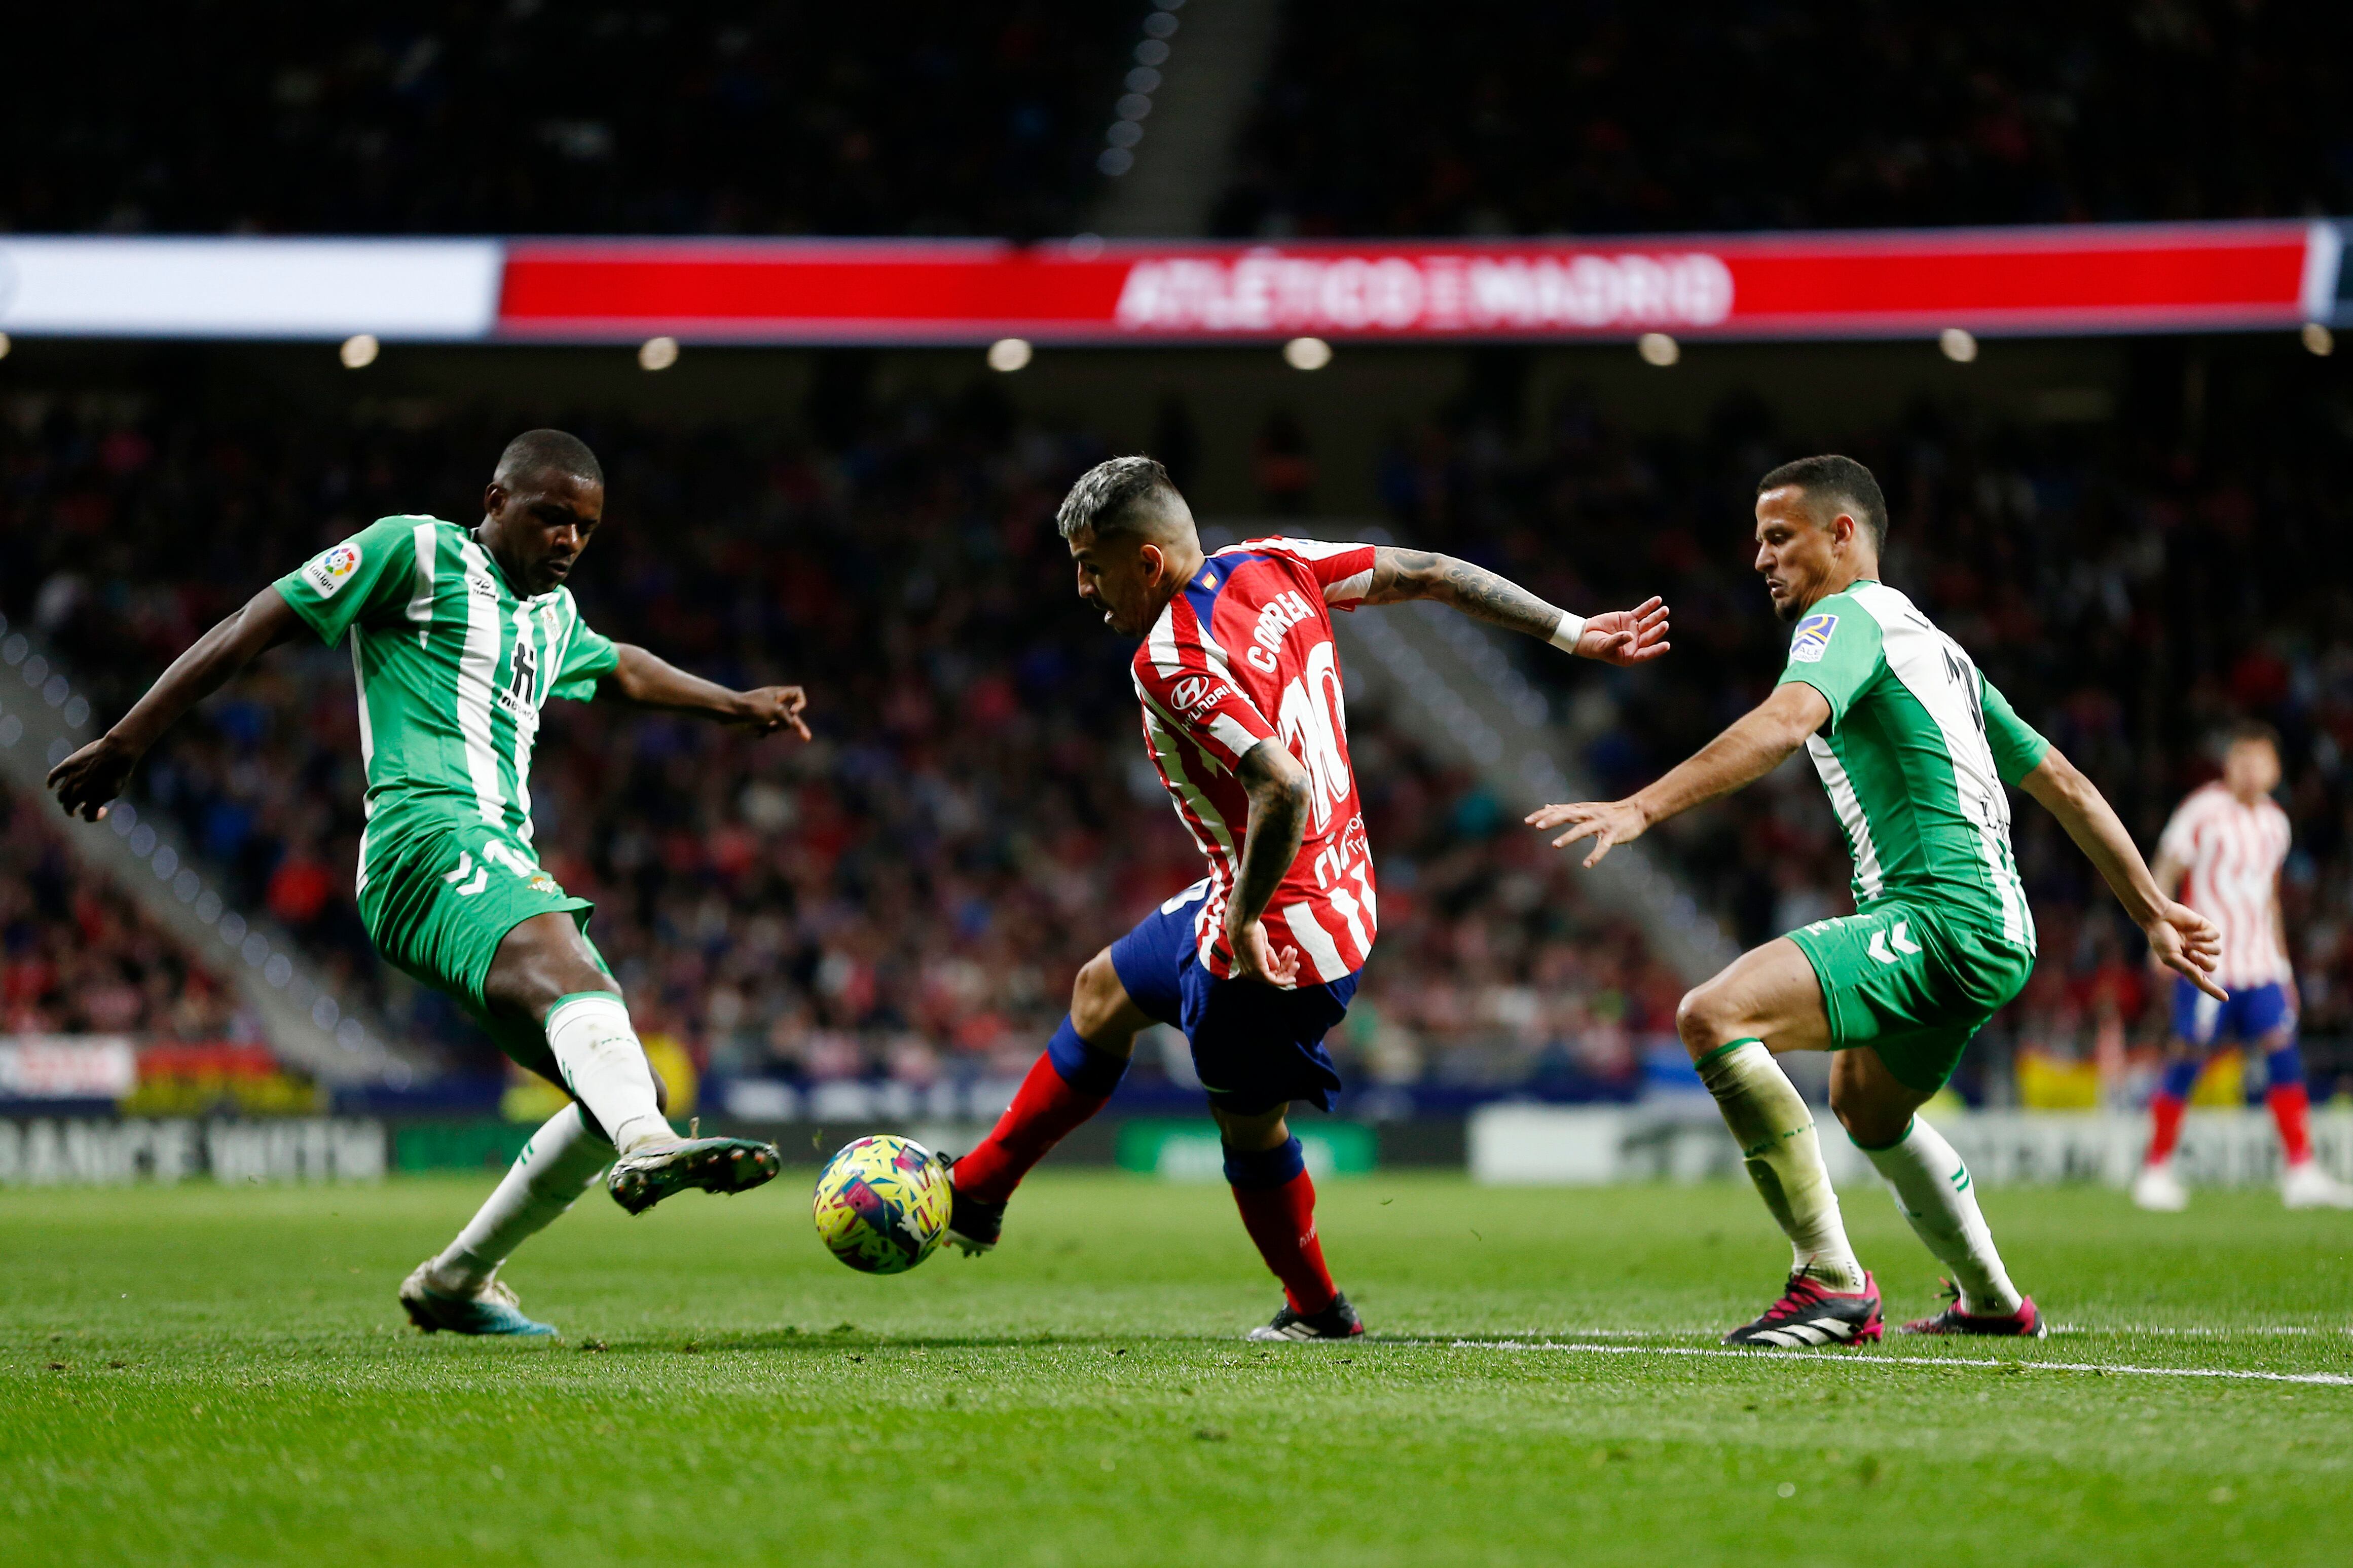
(1767, 1001)
(1267, 1170)
(1071, 1080)
(546, 972)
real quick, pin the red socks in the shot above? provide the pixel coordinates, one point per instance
(2165, 1111)
(2291, 1107)
(1277, 1201)
(1067, 1085)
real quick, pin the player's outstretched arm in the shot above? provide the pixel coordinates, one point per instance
(2181, 938)
(644, 681)
(86, 781)
(1614, 636)
(1278, 787)
(1752, 747)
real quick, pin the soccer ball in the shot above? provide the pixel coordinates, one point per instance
(881, 1205)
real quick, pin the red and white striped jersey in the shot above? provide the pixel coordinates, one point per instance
(1244, 654)
(2233, 853)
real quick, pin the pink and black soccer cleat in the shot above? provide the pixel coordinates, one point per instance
(1810, 1314)
(2026, 1323)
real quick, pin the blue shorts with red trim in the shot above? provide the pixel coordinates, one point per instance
(2252, 1012)
(1255, 1045)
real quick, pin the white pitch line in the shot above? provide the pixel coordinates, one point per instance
(1848, 1358)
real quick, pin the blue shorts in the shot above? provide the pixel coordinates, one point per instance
(2251, 1014)
(1255, 1047)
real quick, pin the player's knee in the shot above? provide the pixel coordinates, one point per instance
(1095, 996)
(1871, 1121)
(1702, 1019)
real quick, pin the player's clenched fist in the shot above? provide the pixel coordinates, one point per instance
(86, 781)
(1606, 822)
(774, 708)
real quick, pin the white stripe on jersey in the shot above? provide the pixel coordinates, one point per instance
(526, 718)
(2232, 854)
(1849, 807)
(425, 538)
(478, 666)
(1316, 942)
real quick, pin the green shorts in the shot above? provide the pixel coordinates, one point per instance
(437, 901)
(1912, 983)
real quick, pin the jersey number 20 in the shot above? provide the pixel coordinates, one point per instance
(1312, 731)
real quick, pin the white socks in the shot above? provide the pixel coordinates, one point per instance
(605, 1068)
(555, 1167)
(1776, 1134)
(1933, 1190)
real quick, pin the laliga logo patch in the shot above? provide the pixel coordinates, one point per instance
(1813, 639)
(331, 570)
(1195, 693)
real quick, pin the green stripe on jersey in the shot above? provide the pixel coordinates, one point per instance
(1917, 749)
(453, 667)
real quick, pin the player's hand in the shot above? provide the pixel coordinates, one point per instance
(1608, 823)
(771, 709)
(1626, 636)
(1256, 958)
(2188, 943)
(92, 777)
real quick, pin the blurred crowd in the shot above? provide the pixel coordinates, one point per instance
(1600, 117)
(259, 116)
(77, 957)
(909, 897)
(2131, 585)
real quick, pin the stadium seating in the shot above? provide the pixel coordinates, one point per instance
(910, 896)
(1604, 118)
(529, 118)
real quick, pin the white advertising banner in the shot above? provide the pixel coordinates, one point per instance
(324, 288)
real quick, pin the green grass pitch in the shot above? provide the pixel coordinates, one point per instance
(211, 1375)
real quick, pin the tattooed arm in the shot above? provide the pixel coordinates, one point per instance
(1617, 637)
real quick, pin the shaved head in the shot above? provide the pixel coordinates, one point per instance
(539, 455)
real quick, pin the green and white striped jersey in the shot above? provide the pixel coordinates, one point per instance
(1917, 749)
(453, 667)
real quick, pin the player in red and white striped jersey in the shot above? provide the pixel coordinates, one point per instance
(2226, 844)
(1239, 682)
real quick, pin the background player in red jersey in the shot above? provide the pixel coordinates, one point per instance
(2225, 846)
(1243, 713)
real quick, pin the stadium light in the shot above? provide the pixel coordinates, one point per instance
(1960, 347)
(2318, 339)
(1658, 349)
(359, 351)
(1008, 354)
(1307, 353)
(658, 353)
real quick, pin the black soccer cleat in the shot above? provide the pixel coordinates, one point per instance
(1336, 1322)
(974, 1223)
(1808, 1315)
(2026, 1323)
(639, 1182)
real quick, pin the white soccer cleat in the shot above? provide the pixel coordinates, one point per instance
(2307, 1186)
(2158, 1190)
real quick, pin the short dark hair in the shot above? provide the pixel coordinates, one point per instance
(2250, 729)
(1831, 476)
(1110, 497)
(535, 453)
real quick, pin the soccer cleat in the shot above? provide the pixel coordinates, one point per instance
(1808, 1314)
(1336, 1322)
(974, 1223)
(2307, 1186)
(2158, 1190)
(492, 1310)
(639, 1180)
(2025, 1323)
